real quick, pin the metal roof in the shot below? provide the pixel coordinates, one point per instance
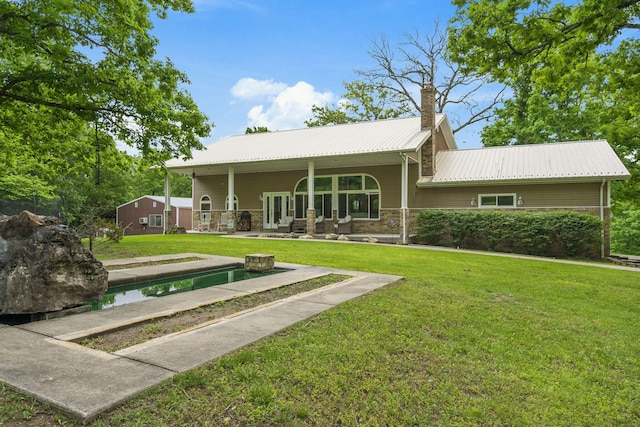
(376, 142)
(176, 202)
(580, 160)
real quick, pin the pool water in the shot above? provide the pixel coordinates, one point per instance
(120, 295)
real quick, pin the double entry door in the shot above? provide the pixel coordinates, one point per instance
(275, 206)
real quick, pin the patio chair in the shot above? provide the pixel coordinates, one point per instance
(205, 220)
(344, 225)
(320, 224)
(285, 225)
(222, 224)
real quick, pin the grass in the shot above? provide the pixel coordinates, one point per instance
(466, 339)
(123, 337)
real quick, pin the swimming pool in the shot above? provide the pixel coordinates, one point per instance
(126, 294)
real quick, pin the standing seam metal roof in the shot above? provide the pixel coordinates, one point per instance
(556, 161)
(382, 136)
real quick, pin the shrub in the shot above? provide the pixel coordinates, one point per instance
(566, 234)
(432, 226)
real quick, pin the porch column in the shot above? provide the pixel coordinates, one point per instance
(311, 210)
(167, 203)
(231, 220)
(404, 192)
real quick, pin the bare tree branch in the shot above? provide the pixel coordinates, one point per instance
(422, 59)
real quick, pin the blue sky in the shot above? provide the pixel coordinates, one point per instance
(266, 62)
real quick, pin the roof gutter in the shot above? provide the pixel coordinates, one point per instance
(424, 183)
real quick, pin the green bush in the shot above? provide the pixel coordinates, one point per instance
(564, 234)
(432, 226)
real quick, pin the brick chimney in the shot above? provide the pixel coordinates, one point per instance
(428, 122)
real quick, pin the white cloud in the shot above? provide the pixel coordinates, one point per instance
(288, 108)
(248, 88)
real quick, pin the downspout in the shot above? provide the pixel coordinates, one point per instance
(604, 182)
(404, 195)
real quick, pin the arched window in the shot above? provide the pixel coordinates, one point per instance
(205, 209)
(205, 203)
(235, 203)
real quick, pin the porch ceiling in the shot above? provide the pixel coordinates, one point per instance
(329, 162)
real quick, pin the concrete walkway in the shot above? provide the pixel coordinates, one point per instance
(40, 358)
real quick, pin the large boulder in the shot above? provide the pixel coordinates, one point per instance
(45, 267)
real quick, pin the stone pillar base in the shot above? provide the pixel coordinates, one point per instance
(231, 222)
(258, 262)
(311, 221)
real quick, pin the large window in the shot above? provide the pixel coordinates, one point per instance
(496, 200)
(155, 220)
(357, 195)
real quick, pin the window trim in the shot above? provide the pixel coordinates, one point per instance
(209, 201)
(497, 196)
(236, 205)
(152, 223)
(335, 193)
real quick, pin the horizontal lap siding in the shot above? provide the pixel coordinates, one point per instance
(249, 187)
(129, 215)
(566, 195)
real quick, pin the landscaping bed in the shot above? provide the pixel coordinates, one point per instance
(144, 331)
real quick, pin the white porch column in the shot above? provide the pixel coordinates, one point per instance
(311, 210)
(231, 221)
(404, 192)
(167, 203)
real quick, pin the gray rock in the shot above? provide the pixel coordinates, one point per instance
(44, 267)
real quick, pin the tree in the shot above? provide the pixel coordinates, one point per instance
(256, 129)
(499, 37)
(94, 60)
(574, 70)
(420, 59)
(362, 102)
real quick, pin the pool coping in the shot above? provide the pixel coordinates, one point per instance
(41, 360)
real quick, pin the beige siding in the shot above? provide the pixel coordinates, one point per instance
(534, 196)
(249, 187)
(441, 143)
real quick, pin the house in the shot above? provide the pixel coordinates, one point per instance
(145, 215)
(381, 174)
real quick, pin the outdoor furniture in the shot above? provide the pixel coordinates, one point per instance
(285, 224)
(344, 225)
(204, 223)
(222, 224)
(320, 224)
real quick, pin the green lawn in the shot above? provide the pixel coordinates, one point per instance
(465, 340)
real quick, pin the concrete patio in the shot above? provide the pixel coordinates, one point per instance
(41, 359)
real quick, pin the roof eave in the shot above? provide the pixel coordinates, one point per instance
(428, 183)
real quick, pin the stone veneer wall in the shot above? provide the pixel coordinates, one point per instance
(256, 219)
(390, 221)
